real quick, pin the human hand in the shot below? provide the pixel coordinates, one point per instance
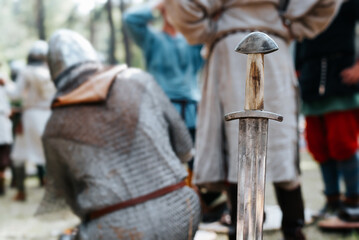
(160, 6)
(287, 25)
(216, 15)
(2, 82)
(350, 75)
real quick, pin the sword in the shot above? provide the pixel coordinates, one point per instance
(253, 136)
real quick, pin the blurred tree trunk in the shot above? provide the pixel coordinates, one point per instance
(71, 20)
(112, 47)
(40, 19)
(92, 26)
(95, 16)
(126, 40)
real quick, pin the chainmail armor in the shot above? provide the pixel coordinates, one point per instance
(105, 153)
(68, 48)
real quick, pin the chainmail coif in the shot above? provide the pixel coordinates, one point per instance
(105, 153)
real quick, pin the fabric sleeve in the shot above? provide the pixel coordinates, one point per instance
(15, 90)
(198, 60)
(194, 18)
(309, 18)
(136, 21)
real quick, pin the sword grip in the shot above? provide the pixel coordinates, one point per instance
(255, 82)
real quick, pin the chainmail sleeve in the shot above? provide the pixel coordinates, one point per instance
(58, 185)
(179, 136)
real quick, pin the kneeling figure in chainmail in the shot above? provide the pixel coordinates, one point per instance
(114, 147)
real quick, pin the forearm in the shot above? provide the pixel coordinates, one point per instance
(312, 19)
(194, 19)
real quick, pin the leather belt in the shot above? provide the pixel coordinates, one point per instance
(183, 104)
(132, 202)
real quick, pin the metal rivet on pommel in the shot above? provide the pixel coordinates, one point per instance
(257, 42)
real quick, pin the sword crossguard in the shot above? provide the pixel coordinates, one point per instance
(253, 114)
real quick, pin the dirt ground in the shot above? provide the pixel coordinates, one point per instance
(17, 221)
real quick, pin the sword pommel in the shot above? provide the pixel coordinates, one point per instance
(257, 42)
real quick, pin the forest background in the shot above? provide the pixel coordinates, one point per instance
(25, 21)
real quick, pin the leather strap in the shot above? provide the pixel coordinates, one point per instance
(283, 5)
(183, 104)
(132, 202)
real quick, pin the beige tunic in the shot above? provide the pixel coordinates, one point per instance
(5, 123)
(224, 78)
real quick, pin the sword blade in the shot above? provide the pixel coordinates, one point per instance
(253, 136)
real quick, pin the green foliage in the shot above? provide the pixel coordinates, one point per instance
(137, 57)
(16, 31)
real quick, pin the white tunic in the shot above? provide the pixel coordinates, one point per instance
(206, 21)
(36, 90)
(5, 123)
